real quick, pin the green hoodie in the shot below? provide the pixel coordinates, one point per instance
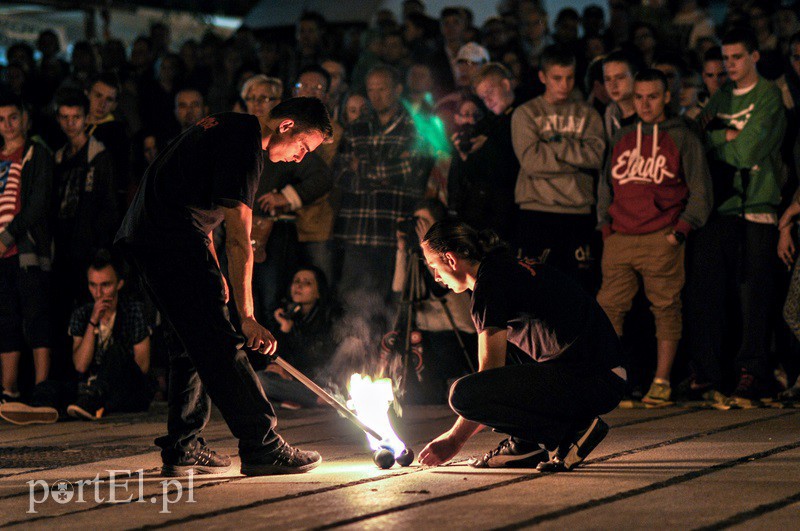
(759, 114)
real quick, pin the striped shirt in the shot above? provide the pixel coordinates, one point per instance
(10, 199)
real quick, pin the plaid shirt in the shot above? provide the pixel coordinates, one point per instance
(131, 327)
(381, 172)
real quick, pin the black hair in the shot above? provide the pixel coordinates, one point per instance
(714, 54)
(145, 39)
(649, 27)
(670, 58)
(26, 50)
(621, 56)
(72, 98)
(428, 25)
(557, 55)
(387, 70)
(593, 10)
(107, 78)
(104, 258)
(9, 99)
(567, 13)
(453, 12)
(437, 209)
(652, 74)
(743, 36)
(317, 69)
(451, 236)
(794, 39)
(308, 114)
(191, 88)
(313, 16)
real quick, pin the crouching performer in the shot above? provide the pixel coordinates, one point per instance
(571, 369)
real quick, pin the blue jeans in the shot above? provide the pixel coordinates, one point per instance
(186, 286)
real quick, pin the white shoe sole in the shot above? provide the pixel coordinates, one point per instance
(75, 411)
(23, 414)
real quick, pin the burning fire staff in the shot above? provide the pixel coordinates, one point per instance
(548, 406)
(207, 175)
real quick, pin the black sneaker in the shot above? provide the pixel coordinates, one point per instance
(749, 391)
(89, 405)
(583, 442)
(6, 397)
(200, 460)
(511, 453)
(285, 460)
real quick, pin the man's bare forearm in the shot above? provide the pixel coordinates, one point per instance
(212, 248)
(240, 271)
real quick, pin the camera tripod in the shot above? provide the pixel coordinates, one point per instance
(416, 290)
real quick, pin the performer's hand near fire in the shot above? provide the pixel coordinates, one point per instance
(491, 354)
(238, 223)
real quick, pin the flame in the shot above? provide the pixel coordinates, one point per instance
(370, 400)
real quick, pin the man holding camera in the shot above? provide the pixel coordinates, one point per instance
(484, 168)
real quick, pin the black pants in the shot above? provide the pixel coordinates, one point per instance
(733, 265)
(538, 402)
(186, 286)
(567, 240)
(121, 382)
(25, 318)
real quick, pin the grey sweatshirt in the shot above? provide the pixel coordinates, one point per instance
(558, 148)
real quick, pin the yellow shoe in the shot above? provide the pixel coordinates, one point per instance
(659, 394)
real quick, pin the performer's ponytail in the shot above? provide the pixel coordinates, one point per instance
(457, 237)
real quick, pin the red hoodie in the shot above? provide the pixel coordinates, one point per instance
(658, 177)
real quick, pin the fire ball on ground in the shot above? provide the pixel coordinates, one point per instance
(385, 458)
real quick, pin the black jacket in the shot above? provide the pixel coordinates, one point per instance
(96, 219)
(481, 188)
(30, 229)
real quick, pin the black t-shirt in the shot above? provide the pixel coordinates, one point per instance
(213, 164)
(547, 314)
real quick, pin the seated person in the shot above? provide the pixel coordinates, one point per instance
(449, 348)
(304, 339)
(111, 351)
(110, 346)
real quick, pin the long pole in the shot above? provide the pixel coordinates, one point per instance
(320, 392)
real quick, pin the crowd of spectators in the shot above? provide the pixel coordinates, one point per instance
(633, 145)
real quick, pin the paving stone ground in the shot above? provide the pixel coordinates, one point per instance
(671, 468)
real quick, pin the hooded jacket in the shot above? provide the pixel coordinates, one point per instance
(558, 148)
(96, 216)
(656, 177)
(30, 229)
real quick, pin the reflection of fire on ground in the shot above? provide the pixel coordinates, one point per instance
(371, 400)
